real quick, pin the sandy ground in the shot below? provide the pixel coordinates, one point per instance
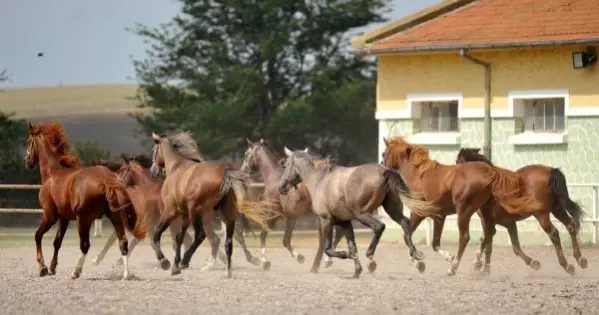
(288, 288)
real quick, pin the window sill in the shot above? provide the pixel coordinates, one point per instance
(435, 138)
(539, 138)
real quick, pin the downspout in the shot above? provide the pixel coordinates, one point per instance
(487, 97)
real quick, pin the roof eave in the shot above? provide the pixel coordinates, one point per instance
(366, 50)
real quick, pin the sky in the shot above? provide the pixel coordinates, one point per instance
(85, 42)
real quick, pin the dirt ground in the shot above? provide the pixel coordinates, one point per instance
(288, 288)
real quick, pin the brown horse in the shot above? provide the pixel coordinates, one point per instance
(193, 188)
(548, 185)
(71, 192)
(342, 194)
(460, 189)
(295, 204)
(144, 191)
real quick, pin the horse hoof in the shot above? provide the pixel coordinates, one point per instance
(95, 262)
(300, 258)
(477, 265)
(418, 255)
(451, 272)
(165, 264)
(184, 265)
(44, 271)
(583, 263)
(228, 274)
(570, 269)
(51, 272)
(314, 270)
(175, 271)
(328, 263)
(265, 265)
(371, 266)
(535, 264)
(420, 266)
(74, 276)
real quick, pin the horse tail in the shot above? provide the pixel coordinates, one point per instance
(236, 181)
(506, 188)
(558, 185)
(395, 184)
(118, 200)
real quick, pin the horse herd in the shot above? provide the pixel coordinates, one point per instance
(177, 186)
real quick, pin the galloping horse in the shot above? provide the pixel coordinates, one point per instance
(193, 188)
(71, 192)
(295, 204)
(462, 189)
(341, 194)
(548, 185)
(144, 192)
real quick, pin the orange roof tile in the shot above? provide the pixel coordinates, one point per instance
(500, 23)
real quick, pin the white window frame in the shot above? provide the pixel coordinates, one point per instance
(414, 102)
(529, 137)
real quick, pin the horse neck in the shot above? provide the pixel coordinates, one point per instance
(171, 157)
(310, 175)
(48, 161)
(410, 174)
(143, 178)
(268, 167)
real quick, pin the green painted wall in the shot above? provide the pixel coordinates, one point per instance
(578, 159)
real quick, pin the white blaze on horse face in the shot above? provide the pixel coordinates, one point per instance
(288, 152)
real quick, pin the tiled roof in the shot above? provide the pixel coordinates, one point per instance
(498, 23)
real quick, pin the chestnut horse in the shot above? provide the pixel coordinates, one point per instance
(71, 192)
(144, 191)
(548, 185)
(295, 204)
(342, 194)
(193, 188)
(462, 189)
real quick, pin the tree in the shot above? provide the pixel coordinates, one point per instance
(13, 133)
(90, 151)
(227, 70)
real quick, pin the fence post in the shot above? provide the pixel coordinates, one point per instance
(595, 238)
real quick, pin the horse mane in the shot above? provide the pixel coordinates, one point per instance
(472, 155)
(419, 155)
(55, 136)
(184, 144)
(111, 165)
(142, 159)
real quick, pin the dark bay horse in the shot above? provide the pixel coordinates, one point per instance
(193, 188)
(71, 192)
(342, 194)
(144, 192)
(548, 185)
(295, 204)
(461, 189)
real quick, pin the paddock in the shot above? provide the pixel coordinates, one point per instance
(288, 288)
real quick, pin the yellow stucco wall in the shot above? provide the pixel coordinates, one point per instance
(522, 69)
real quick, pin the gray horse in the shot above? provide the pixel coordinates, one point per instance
(341, 194)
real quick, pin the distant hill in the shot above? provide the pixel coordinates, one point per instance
(89, 112)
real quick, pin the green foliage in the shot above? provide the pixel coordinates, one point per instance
(90, 151)
(13, 135)
(277, 69)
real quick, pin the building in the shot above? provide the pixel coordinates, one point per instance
(533, 61)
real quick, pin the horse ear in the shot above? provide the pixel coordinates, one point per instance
(155, 137)
(386, 141)
(261, 141)
(306, 150)
(250, 143)
(288, 152)
(477, 150)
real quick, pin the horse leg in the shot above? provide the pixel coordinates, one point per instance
(229, 231)
(512, 230)
(62, 229)
(263, 260)
(175, 269)
(111, 239)
(48, 220)
(573, 229)
(377, 228)
(486, 245)
(394, 209)
(438, 224)
(248, 254)
(165, 221)
(207, 225)
(545, 221)
(83, 227)
(336, 239)
(320, 249)
(348, 230)
(200, 236)
(464, 216)
(289, 226)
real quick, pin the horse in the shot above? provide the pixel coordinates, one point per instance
(72, 192)
(548, 185)
(462, 189)
(193, 188)
(144, 191)
(342, 194)
(297, 203)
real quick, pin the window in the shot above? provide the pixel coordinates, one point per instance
(544, 115)
(439, 116)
